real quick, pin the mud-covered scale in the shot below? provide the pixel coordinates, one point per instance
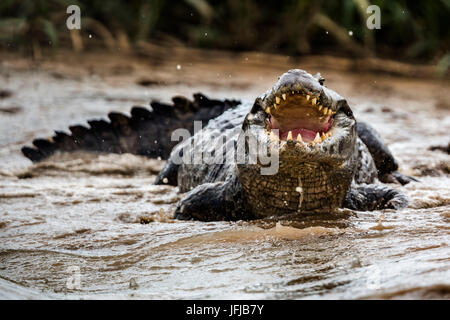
(324, 159)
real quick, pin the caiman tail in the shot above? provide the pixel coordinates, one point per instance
(147, 132)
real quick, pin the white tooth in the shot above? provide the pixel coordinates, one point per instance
(323, 137)
(307, 97)
(284, 96)
(268, 110)
(317, 138)
(273, 137)
(325, 111)
(314, 101)
(277, 100)
(320, 107)
(289, 136)
(330, 112)
(299, 138)
(275, 106)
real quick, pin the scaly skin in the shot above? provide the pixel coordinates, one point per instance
(326, 159)
(312, 176)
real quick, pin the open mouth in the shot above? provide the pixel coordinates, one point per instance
(300, 116)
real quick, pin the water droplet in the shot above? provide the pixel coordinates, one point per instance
(133, 284)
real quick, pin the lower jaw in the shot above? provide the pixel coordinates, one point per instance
(307, 135)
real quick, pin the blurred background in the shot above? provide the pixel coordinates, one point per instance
(413, 31)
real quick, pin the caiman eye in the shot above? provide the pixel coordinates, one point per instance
(345, 108)
(257, 105)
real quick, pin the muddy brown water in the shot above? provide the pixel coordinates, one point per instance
(94, 226)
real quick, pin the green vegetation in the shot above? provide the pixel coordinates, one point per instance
(411, 30)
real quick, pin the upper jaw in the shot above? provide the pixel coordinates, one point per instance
(302, 83)
(318, 99)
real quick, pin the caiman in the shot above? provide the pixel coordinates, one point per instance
(296, 149)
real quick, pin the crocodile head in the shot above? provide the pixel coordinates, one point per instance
(312, 131)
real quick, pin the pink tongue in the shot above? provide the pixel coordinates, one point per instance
(307, 135)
